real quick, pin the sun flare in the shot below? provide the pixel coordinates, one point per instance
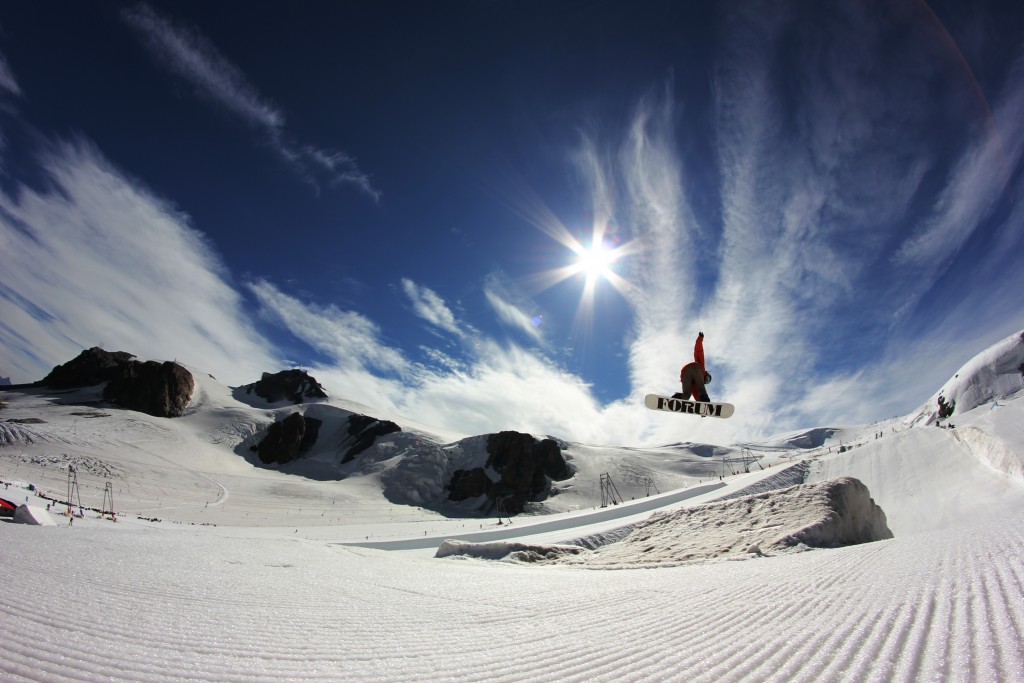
(596, 261)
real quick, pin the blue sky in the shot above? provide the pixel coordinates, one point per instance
(393, 194)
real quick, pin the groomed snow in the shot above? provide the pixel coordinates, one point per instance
(250, 574)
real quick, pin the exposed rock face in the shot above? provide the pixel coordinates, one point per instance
(466, 484)
(91, 367)
(288, 439)
(160, 389)
(524, 465)
(365, 430)
(293, 385)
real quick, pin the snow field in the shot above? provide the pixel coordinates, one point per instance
(270, 595)
(152, 605)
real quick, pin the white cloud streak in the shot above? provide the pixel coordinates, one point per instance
(977, 184)
(431, 307)
(7, 80)
(99, 260)
(510, 313)
(191, 56)
(350, 339)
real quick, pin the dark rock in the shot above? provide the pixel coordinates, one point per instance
(366, 429)
(288, 439)
(467, 484)
(91, 367)
(551, 461)
(160, 389)
(946, 409)
(293, 385)
(525, 466)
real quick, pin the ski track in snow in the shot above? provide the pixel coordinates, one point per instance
(949, 608)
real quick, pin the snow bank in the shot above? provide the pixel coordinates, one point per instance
(496, 550)
(993, 451)
(829, 514)
(36, 516)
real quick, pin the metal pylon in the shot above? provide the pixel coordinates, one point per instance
(73, 490)
(108, 494)
(609, 492)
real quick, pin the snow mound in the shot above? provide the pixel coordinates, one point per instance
(995, 373)
(512, 550)
(829, 514)
(33, 515)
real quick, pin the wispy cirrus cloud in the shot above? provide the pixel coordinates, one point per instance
(97, 259)
(979, 181)
(7, 80)
(350, 339)
(431, 307)
(191, 56)
(510, 313)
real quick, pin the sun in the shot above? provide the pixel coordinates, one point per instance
(603, 259)
(589, 264)
(596, 261)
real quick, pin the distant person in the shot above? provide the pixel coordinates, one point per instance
(694, 376)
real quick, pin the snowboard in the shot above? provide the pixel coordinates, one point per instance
(678, 405)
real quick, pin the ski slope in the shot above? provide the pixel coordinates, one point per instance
(275, 589)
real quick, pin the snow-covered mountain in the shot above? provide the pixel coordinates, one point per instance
(221, 567)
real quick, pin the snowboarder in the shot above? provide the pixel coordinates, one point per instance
(694, 376)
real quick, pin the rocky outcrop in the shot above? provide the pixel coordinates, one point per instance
(525, 467)
(295, 386)
(159, 389)
(467, 484)
(91, 367)
(365, 430)
(288, 439)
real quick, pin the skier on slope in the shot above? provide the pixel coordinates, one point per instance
(694, 376)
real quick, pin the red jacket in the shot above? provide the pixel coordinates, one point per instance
(698, 352)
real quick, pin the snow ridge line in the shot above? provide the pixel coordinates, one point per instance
(992, 451)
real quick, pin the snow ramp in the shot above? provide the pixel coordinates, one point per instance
(829, 514)
(33, 515)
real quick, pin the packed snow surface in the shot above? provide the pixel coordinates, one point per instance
(218, 569)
